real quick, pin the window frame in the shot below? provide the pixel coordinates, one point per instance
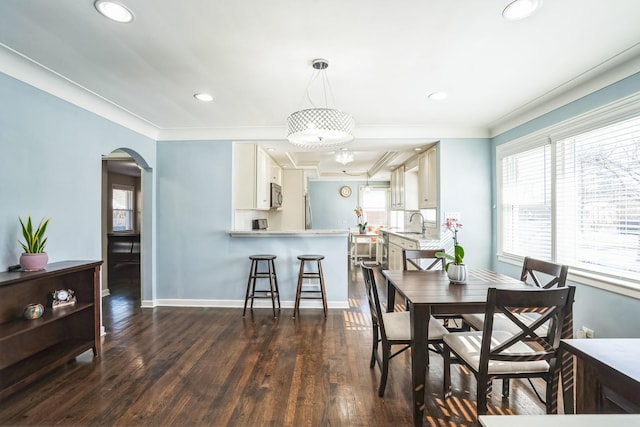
(132, 189)
(387, 202)
(608, 114)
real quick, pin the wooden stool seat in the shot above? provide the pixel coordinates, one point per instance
(255, 274)
(317, 293)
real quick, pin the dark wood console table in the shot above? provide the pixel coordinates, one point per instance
(607, 374)
(29, 349)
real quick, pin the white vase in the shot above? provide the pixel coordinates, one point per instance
(457, 274)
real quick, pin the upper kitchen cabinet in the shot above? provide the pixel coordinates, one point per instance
(253, 173)
(428, 179)
(397, 188)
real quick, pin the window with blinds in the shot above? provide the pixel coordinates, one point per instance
(598, 199)
(526, 203)
(574, 199)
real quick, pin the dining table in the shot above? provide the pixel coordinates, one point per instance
(430, 292)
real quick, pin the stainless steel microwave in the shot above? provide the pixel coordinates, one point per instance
(276, 196)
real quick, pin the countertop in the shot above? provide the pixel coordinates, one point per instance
(288, 233)
(429, 237)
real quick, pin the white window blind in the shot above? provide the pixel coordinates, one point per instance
(526, 203)
(598, 199)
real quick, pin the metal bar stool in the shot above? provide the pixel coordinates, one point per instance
(255, 274)
(319, 293)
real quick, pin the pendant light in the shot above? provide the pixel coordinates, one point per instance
(320, 127)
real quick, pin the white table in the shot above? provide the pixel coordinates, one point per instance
(580, 420)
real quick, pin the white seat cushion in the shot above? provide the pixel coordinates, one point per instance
(398, 326)
(467, 346)
(502, 323)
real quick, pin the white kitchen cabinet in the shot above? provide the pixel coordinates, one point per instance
(251, 177)
(397, 188)
(275, 172)
(428, 179)
(396, 245)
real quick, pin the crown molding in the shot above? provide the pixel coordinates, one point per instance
(37, 75)
(616, 68)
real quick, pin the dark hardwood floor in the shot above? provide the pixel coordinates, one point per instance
(209, 366)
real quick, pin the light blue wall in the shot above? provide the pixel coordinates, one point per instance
(197, 259)
(331, 211)
(463, 167)
(50, 166)
(610, 315)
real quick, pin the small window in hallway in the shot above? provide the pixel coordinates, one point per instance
(122, 202)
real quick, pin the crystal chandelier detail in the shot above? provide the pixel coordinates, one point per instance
(320, 127)
(344, 156)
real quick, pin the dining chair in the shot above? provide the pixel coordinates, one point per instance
(498, 354)
(425, 259)
(411, 259)
(542, 274)
(392, 329)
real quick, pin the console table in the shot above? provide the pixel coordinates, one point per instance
(30, 349)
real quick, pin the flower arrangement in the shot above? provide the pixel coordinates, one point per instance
(362, 222)
(457, 258)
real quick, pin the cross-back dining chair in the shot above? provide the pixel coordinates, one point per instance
(425, 259)
(493, 354)
(542, 274)
(391, 330)
(411, 259)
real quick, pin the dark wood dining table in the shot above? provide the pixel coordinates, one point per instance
(430, 292)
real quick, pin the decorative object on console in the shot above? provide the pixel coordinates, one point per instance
(319, 127)
(362, 222)
(63, 298)
(33, 311)
(34, 257)
(456, 269)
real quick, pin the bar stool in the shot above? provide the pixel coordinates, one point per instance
(319, 293)
(255, 274)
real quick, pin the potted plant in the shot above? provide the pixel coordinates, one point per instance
(456, 269)
(362, 223)
(34, 257)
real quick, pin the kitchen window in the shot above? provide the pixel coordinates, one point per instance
(572, 195)
(122, 208)
(375, 204)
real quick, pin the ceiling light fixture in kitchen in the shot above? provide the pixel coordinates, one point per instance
(114, 11)
(520, 9)
(344, 156)
(319, 127)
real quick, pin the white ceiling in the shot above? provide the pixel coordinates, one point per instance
(384, 57)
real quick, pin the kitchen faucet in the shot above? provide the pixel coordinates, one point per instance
(424, 229)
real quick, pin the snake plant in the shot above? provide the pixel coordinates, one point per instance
(35, 240)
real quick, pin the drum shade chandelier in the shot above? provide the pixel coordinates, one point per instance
(319, 127)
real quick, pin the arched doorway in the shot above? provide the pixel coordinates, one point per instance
(126, 227)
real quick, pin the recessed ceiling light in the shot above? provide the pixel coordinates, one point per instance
(520, 9)
(437, 96)
(204, 97)
(417, 149)
(114, 11)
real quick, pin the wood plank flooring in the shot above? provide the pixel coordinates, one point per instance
(209, 366)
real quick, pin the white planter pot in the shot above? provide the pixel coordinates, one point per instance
(457, 274)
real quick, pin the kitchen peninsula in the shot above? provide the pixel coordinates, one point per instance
(287, 245)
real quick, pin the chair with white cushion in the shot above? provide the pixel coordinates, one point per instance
(392, 329)
(498, 354)
(543, 274)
